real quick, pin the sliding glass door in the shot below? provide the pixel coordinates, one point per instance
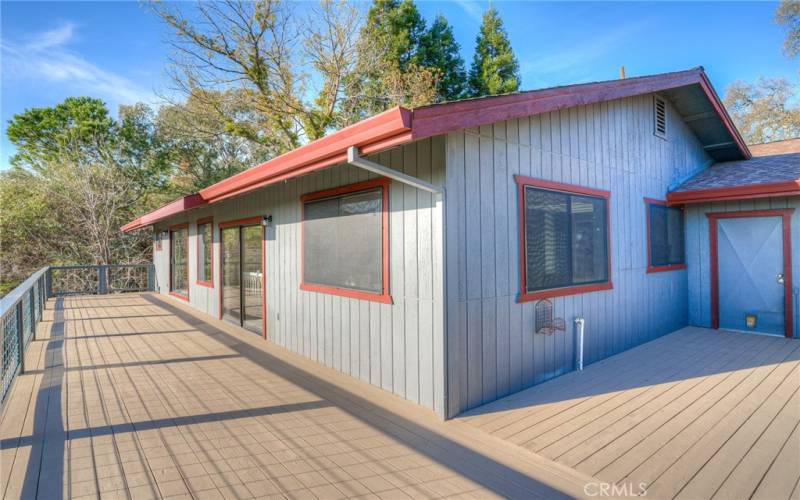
(241, 276)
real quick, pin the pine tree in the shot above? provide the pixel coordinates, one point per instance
(398, 27)
(438, 49)
(495, 69)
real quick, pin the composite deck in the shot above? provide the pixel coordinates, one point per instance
(137, 396)
(694, 414)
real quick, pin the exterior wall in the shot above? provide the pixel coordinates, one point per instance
(699, 257)
(398, 346)
(492, 348)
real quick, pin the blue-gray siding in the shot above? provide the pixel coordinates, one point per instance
(699, 257)
(399, 346)
(492, 348)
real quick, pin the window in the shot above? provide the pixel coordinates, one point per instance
(664, 237)
(345, 241)
(660, 117)
(205, 266)
(564, 239)
(157, 241)
(178, 261)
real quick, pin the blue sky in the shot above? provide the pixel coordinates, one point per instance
(116, 51)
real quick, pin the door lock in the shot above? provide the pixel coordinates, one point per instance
(780, 279)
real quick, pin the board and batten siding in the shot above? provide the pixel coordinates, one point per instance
(492, 348)
(698, 251)
(399, 346)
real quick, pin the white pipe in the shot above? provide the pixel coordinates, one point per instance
(579, 325)
(353, 158)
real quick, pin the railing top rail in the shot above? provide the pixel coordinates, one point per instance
(93, 266)
(8, 302)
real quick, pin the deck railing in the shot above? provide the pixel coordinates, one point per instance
(23, 308)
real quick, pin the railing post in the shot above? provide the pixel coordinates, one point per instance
(48, 282)
(102, 281)
(151, 286)
(34, 306)
(20, 338)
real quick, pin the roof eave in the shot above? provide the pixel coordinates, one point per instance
(750, 191)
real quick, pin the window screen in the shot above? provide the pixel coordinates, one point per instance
(204, 253)
(666, 235)
(566, 240)
(179, 271)
(343, 243)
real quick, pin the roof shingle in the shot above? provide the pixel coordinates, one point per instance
(757, 170)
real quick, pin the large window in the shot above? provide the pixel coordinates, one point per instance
(564, 246)
(345, 241)
(205, 266)
(178, 261)
(664, 237)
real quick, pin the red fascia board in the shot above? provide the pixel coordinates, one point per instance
(443, 118)
(767, 190)
(173, 208)
(332, 148)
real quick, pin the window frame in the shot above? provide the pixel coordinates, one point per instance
(383, 297)
(172, 292)
(524, 295)
(669, 267)
(209, 282)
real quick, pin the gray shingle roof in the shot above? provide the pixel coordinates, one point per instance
(756, 170)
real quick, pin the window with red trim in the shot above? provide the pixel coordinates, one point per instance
(564, 239)
(345, 241)
(665, 237)
(205, 266)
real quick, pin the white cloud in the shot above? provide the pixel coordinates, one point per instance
(472, 9)
(46, 58)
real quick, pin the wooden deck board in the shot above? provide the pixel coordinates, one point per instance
(139, 396)
(694, 414)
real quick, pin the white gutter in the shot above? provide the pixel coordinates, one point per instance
(353, 158)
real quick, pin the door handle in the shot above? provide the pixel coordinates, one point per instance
(780, 279)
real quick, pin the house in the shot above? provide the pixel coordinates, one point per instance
(444, 253)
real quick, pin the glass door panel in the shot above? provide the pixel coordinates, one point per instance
(231, 275)
(251, 278)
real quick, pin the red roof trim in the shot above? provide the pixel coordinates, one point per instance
(399, 126)
(323, 152)
(767, 190)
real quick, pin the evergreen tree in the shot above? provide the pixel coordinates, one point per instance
(438, 49)
(495, 69)
(397, 26)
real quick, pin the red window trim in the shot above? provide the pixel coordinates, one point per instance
(383, 297)
(248, 221)
(209, 283)
(650, 267)
(786, 214)
(522, 182)
(177, 227)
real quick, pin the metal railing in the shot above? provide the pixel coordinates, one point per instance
(23, 308)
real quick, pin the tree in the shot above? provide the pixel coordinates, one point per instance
(788, 16)
(388, 71)
(764, 111)
(40, 134)
(438, 49)
(290, 71)
(494, 69)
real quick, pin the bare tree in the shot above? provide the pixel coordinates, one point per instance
(289, 69)
(765, 111)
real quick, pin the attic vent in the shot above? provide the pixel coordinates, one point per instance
(660, 113)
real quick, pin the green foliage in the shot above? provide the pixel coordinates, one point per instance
(765, 111)
(398, 27)
(788, 16)
(438, 49)
(494, 69)
(39, 134)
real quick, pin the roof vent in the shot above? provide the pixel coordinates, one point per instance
(660, 114)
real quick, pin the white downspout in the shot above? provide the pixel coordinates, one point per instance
(579, 322)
